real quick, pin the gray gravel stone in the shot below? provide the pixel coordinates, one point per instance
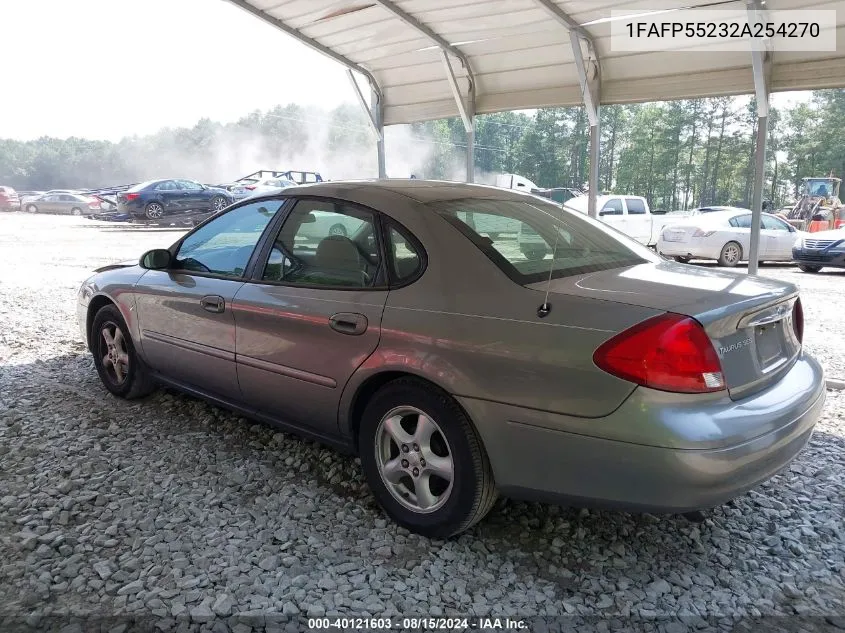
(171, 508)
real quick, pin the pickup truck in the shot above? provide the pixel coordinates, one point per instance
(629, 214)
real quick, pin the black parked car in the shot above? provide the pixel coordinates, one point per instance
(155, 199)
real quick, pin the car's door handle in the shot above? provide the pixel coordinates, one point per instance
(348, 323)
(213, 303)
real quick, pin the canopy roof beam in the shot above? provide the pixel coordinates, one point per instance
(466, 108)
(312, 43)
(368, 110)
(571, 25)
(414, 23)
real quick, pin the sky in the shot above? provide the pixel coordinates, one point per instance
(105, 69)
(110, 68)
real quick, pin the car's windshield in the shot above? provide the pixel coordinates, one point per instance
(530, 240)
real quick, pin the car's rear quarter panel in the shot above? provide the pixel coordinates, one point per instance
(467, 327)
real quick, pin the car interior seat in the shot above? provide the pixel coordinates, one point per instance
(338, 262)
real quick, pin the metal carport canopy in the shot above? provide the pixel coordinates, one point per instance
(431, 59)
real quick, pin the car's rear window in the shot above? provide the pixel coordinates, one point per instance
(530, 241)
(140, 186)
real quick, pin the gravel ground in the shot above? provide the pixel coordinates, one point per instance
(191, 518)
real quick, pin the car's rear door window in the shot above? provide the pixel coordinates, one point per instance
(549, 240)
(406, 258)
(224, 245)
(741, 221)
(635, 206)
(328, 244)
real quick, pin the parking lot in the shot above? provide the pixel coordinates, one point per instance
(179, 512)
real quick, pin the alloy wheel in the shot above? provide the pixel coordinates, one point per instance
(154, 211)
(731, 253)
(115, 355)
(414, 459)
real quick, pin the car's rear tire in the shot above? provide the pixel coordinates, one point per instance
(534, 253)
(154, 211)
(682, 260)
(31, 208)
(121, 369)
(338, 229)
(218, 203)
(730, 255)
(76, 211)
(433, 476)
(804, 268)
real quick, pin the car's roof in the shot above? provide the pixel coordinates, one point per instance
(424, 191)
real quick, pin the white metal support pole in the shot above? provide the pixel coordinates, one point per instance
(378, 116)
(465, 109)
(471, 135)
(590, 87)
(761, 66)
(374, 112)
(368, 109)
(757, 199)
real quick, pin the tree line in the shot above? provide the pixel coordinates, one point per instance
(677, 154)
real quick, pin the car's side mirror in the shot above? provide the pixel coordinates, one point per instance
(309, 219)
(156, 259)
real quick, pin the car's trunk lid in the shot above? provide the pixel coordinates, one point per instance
(749, 319)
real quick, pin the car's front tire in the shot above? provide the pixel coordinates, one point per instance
(804, 268)
(730, 255)
(121, 369)
(424, 460)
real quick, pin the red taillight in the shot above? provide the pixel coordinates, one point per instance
(94, 204)
(798, 320)
(131, 196)
(669, 352)
(250, 187)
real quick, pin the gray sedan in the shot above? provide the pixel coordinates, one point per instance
(456, 367)
(67, 203)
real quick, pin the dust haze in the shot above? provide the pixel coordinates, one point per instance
(229, 153)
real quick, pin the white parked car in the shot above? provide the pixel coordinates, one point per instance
(268, 185)
(726, 237)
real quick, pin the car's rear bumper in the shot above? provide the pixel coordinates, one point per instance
(685, 249)
(810, 257)
(678, 457)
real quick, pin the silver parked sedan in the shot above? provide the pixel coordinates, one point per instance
(456, 367)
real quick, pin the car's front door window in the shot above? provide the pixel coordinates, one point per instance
(224, 245)
(327, 244)
(612, 207)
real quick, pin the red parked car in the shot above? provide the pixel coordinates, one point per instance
(9, 200)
